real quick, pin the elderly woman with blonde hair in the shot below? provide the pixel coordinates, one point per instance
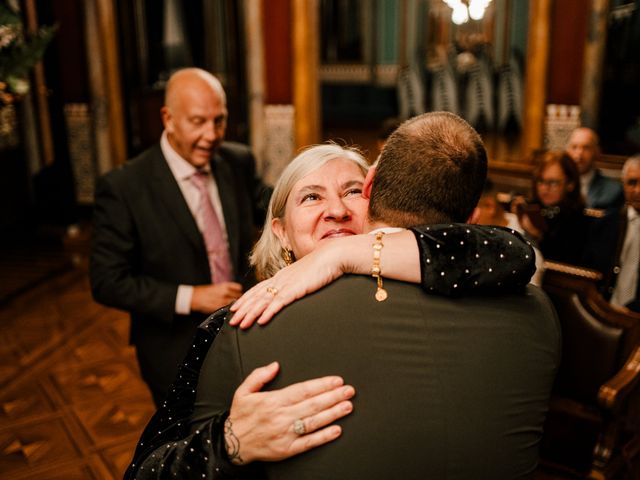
(312, 235)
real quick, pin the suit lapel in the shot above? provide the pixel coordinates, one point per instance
(595, 187)
(167, 190)
(226, 189)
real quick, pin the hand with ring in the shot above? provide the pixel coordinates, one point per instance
(306, 275)
(272, 290)
(299, 428)
(278, 424)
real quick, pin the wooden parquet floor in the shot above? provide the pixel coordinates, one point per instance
(72, 404)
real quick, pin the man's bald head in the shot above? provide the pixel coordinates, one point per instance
(584, 148)
(194, 114)
(186, 77)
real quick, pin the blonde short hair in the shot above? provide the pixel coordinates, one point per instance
(266, 256)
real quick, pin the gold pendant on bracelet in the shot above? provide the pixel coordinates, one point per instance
(381, 294)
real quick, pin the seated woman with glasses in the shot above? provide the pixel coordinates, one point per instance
(555, 218)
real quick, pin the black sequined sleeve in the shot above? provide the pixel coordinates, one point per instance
(199, 455)
(462, 259)
(168, 449)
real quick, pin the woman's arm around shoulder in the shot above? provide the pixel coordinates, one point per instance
(473, 258)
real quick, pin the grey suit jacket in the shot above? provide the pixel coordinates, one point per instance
(446, 388)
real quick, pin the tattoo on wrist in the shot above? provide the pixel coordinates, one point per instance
(232, 443)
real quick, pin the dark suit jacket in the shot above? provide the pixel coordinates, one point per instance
(605, 193)
(146, 243)
(603, 249)
(445, 388)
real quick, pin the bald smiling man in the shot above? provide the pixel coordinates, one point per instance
(174, 226)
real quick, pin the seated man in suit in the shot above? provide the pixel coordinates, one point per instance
(613, 247)
(173, 227)
(447, 388)
(598, 191)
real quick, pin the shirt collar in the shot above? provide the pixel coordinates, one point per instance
(586, 178)
(180, 168)
(632, 214)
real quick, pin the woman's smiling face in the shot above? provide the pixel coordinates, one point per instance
(327, 203)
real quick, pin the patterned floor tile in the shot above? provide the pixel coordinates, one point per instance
(72, 403)
(42, 443)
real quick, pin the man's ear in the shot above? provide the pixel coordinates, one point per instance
(368, 183)
(474, 218)
(165, 114)
(278, 230)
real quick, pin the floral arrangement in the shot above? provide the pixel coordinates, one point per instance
(18, 52)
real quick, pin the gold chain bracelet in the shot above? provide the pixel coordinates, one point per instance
(376, 272)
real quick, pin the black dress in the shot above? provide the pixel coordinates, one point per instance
(565, 234)
(456, 259)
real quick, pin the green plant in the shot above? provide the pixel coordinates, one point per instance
(19, 52)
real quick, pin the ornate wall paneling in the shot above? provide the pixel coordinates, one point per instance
(566, 62)
(279, 110)
(255, 60)
(269, 63)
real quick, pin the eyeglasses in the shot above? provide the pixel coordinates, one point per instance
(549, 183)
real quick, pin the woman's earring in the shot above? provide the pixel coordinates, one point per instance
(287, 256)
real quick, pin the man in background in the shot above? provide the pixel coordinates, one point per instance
(614, 246)
(173, 227)
(598, 190)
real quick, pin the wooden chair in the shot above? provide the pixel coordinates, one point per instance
(592, 428)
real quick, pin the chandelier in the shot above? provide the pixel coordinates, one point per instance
(462, 10)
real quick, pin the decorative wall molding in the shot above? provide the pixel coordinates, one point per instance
(560, 121)
(383, 75)
(279, 148)
(81, 150)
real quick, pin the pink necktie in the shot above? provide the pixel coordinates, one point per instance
(217, 248)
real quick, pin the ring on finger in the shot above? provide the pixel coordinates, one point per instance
(299, 428)
(272, 290)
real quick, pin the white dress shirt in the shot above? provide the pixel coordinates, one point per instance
(183, 171)
(627, 282)
(585, 182)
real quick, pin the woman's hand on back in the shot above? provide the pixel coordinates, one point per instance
(315, 404)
